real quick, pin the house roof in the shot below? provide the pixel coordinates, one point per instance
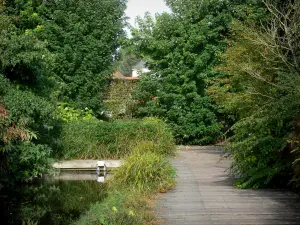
(131, 78)
(118, 75)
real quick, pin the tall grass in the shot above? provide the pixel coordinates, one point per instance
(132, 188)
(145, 168)
(146, 171)
(113, 140)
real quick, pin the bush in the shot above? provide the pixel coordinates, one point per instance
(26, 119)
(145, 168)
(113, 140)
(27, 160)
(261, 92)
(67, 113)
(192, 122)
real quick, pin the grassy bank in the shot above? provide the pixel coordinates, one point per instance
(132, 189)
(145, 146)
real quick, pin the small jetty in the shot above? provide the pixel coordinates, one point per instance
(86, 165)
(73, 170)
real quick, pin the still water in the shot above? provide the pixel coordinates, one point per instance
(49, 202)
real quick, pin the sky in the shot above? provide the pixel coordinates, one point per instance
(139, 7)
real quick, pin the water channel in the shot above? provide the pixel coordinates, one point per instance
(50, 201)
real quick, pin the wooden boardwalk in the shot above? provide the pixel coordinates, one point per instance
(204, 195)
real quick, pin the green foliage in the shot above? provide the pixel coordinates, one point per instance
(62, 48)
(26, 113)
(27, 161)
(146, 168)
(181, 50)
(24, 106)
(25, 116)
(123, 206)
(145, 171)
(23, 55)
(119, 102)
(193, 123)
(262, 91)
(112, 140)
(68, 114)
(83, 37)
(79, 140)
(52, 51)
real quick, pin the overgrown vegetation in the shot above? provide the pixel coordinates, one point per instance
(145, 172)
(147, 167)
(227, 69)
(56, 58)
(219, 70)
(124, 206)
(119, 102)
(262, 64)
(182, 50)
(96, 139)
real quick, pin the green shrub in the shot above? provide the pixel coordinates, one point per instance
(79, 140)
(145, 168)
(113, 140)
(67, 113)
(261, 92)
(27, 160)
(150, 146)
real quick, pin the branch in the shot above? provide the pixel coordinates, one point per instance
(283, 18)
(258, 93)
(256, 75)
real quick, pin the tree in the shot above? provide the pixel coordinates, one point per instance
(83, 37)
(49, 51)
(26, 112)
(182, 49)
(262, 66)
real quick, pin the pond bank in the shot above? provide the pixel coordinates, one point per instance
(144, 146)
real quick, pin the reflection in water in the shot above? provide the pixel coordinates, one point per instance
(100, 177)
(49, 202)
